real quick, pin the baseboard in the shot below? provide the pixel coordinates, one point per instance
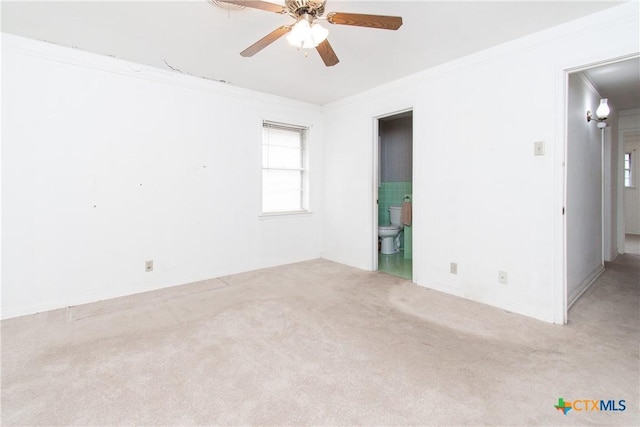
(612, 256)
(586, 284)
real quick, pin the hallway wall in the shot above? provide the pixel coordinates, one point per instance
(584, 185)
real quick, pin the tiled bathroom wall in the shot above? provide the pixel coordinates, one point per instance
(392, 193)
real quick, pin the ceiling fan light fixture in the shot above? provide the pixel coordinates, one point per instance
(305, 35)
(319, 33)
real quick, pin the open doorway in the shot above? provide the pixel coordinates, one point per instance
(395, 194)
(630, 145)
(594, 193)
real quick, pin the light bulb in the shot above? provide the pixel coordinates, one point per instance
(298, 33)
(319, 34)
(603, 110)
(305, 36)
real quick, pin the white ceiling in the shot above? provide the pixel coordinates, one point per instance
(619, 82)
(199, 38)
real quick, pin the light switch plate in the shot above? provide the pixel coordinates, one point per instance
(538, 148)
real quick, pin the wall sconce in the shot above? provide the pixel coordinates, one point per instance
(601, 114)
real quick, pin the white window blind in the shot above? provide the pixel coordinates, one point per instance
(284, 177)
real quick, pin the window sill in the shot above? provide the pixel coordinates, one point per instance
(285, 214)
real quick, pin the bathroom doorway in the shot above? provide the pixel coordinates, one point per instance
(395, 194)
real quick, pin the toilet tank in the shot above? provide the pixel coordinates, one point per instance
(395, 214)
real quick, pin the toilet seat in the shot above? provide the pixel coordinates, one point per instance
(388, 227)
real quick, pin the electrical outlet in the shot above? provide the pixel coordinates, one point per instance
(538, 148)
(148, 266)
(453, 268)
(502, 277)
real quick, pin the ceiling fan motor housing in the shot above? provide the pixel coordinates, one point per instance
(298, 8)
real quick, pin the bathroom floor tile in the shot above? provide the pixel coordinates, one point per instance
(396, 265)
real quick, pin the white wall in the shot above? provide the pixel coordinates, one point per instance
(629, 120)
(481, 198)
(349, 221)
(584, 183)
(106, 164)
(612, 188)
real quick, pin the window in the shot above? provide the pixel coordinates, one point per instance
(284, 173)
(628, 177)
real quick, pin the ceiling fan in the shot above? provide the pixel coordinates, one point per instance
(305, 32)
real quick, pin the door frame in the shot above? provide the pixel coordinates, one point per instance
(621, 231)
(560, 299)
(375, 167)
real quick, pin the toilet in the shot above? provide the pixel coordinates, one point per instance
(389, 233)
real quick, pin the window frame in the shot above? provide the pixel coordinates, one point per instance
(630, 169)
(303, 205)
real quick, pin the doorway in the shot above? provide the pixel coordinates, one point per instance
(630, 145)
(594, 174)
(394, 199)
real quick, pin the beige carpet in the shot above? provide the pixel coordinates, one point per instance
(318, 343)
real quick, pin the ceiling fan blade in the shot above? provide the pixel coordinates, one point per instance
(359, 20)
(327, 54)
(262, 5)
(266, 41)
